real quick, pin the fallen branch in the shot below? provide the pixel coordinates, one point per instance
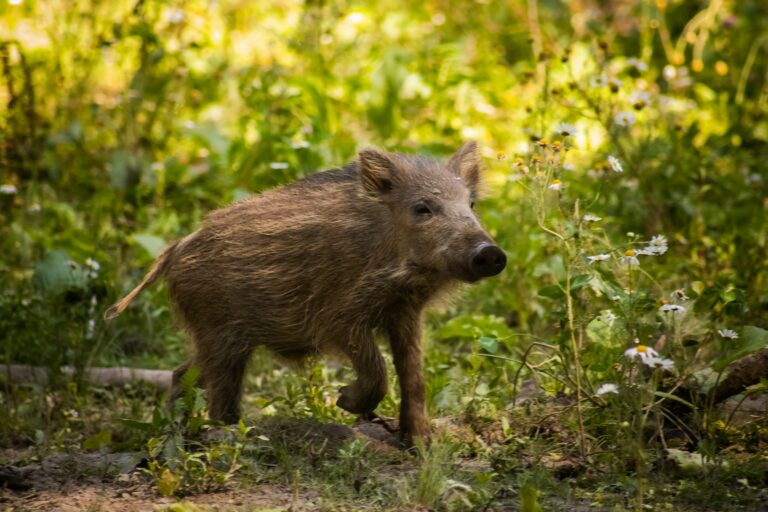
(742, 373)
(26, 374)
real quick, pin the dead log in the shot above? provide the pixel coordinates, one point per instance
(742, 373)
(26, 374)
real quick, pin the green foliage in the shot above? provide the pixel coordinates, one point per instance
(179, 464)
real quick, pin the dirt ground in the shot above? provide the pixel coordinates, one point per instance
(84, 481)
(68, 482)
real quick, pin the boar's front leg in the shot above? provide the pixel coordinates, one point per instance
(405, 338)
(370, 387)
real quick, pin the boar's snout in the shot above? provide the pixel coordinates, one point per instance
(487, 260)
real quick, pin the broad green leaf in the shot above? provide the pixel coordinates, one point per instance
(488, 344)
(707, 378)
(154, 245)
(580, 280)
(56, 273)
(598, 331)
(552, 291)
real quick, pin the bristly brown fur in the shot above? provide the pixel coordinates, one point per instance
(319, 266)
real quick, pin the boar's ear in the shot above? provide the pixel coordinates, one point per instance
(466, 164)
(377, 171)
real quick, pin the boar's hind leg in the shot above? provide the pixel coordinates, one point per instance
(223, 369)
(405, 338)
(370, 387)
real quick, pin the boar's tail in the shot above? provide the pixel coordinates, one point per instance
(159, 269)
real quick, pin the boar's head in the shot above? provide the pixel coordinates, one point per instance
(434, 225)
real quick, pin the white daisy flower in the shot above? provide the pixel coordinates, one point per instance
(91, 329)
(643, 352)
(174, 16)
(556, 185)
(609, 318)
(640, 97)
(606, 388)
(636, 63)
(656, 247)
(672, 308)
(615, 164)
(566, 130)
(728, 333)
(630, 258)
(598, 257)
(569, 167)
(591, 218)
(301, 144)
(92, 264)
(657, 362)
(647, 251)
(278, 165)
(624, 119)
(8, 189)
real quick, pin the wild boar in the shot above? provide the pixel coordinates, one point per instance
(324, 265)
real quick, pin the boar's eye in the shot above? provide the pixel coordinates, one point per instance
(472, 205)
(422, 210)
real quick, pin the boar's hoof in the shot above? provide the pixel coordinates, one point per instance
(415, 434)
(389, 424)
(351, 401)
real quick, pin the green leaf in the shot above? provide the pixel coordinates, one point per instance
(692, 463)
(154, 245)
(552, 291)
(168, 483)
(489, 344)
(674, 398)
(707, 378)
(56, 273)
(138, 425)
(704, 93)
(474, 326)
(98, 440)
(555, 291)
(579, 281)
(529, 498)
(598, 331)
(757, 388)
